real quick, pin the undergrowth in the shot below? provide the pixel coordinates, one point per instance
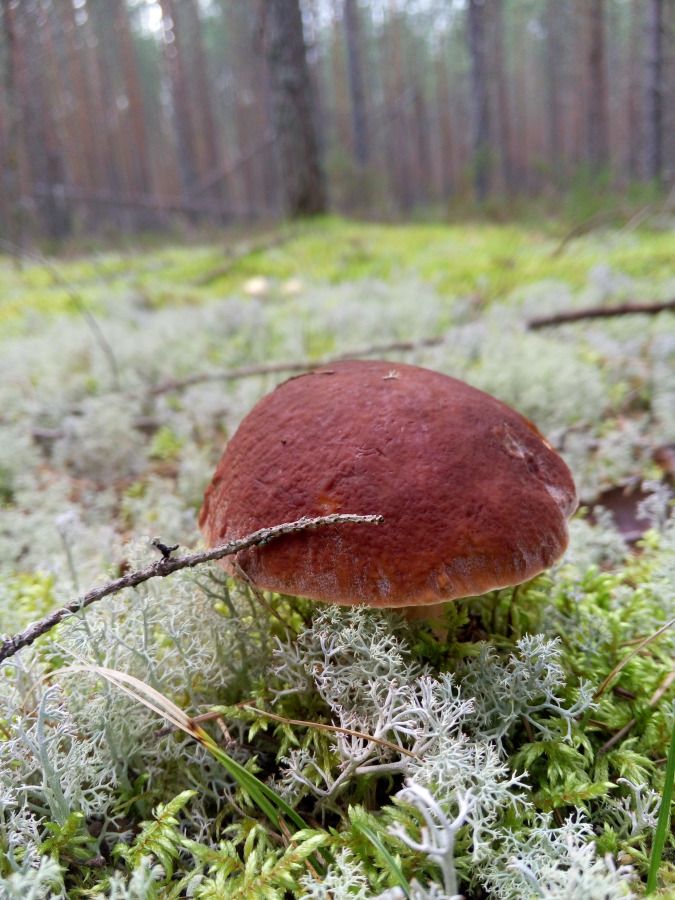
(475, 756)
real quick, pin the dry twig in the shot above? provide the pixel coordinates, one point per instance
(291, 366)
(624, 662)
(653, 700)
(601, 312)
(166, 566)
(579, 230)
(233, 258)
(78, 302)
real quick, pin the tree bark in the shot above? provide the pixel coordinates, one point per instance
(357, 92)
(301, 175)
(446, 139)
(655, 90)
(553, 76)
(480, 97)
(503, 115)
(202, 83)
(11, 137)
(43, 151)
(139, 157)
(597, 111)
(102, 65)
(182, 113)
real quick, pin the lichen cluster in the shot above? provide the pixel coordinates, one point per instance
(469, 757)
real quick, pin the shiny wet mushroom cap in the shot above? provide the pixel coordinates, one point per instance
(473, 497)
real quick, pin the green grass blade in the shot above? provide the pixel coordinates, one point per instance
(663, 824)
(371, 835)
(267, 800)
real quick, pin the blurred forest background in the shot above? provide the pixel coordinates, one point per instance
(125, 114)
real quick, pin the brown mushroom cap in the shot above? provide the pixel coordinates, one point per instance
(473, 497)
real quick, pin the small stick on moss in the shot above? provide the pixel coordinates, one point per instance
(619, 666)
(601, 312)
(167, 566)
(291, 366)
(653, 700)
(78, 301)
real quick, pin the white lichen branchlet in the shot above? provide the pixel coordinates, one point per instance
(437, 835)
(524, 687)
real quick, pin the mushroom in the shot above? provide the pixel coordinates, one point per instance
(472, 495)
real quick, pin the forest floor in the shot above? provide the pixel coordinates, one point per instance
(122, 375)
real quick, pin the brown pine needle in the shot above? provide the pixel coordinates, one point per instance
(624, 662)
(322, 726)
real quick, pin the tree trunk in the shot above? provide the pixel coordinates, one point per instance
(502, 94)
(655, 90)
(102, 65)
(297, 146)
(357, 93)
(480, 97)
(423, 150)
(83, 119)
(44, 157)
(11, 142)
(597, 110)
(139, 157)
(182, 113)
(446, 142)
(202, 82)
(553, 76)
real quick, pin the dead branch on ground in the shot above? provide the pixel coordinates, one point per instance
(166, 566)
(167, 387)
(233, 258)
(601, 312)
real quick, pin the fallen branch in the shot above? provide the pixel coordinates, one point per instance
(78, 302)
(601, 312)
(278, 239)
(595, 221)
(279, 367)
(166, 566)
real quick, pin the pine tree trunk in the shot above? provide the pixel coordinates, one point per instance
(43, 151)
(139, 157)
(296, 139)
(502, 95)
(11, 140)
(446, 142)
(182, 112)
(597, 111)
(655, 89)
(480, 97)
(202, 83)
(352, 26)
(553, 75)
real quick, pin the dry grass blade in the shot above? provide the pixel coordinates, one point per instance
(138, 690)
(624, 662)
(268, 801)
